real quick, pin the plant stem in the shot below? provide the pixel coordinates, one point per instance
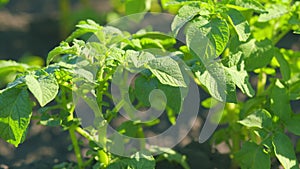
(261, 83)
(101, 89)
(235, 135)
(76, 146)
(84, 133)
(74, 140)
(235, 148)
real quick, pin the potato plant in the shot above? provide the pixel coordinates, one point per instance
(227, 42)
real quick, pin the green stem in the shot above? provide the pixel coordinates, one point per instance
(261, 83)
(235, 148)
(235, 135)
(101, 89)
(84, 133)
(76, 147)
(74, 140)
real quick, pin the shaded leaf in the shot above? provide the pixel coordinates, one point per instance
(143, 88)
(280, 103)
(171, 156)
(257, 54)
(15, 114)
(292, 124)
(252, 156)
(284, 151)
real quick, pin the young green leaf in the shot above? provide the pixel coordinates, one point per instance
(88, 26)
(252, 156)
(259, 118)
(215, 29)
(284, 151)
(15, 113)
(44, 88)
(239, 24)
(167, 71)
(185, 14)
(65, 48)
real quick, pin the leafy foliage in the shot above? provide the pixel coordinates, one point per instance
(226, 42)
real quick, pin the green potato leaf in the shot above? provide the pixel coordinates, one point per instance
(44, 88)
(185, 14)
(257, 54)
(15, 114)
(259, 119)
(218, 83)
(284, 151)
(143, 88)
(83, 27)
(280, 103)
(252, 156)
(239, 24)
(167, 71)
(215, 29)
(292, 124)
